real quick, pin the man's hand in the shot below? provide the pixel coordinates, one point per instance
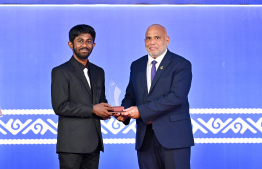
(102, 109)
(131, 112)
(119, 117)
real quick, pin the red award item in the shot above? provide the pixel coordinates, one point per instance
(117, 109)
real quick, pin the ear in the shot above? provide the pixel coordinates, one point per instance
(167, 40)
(94, 44)
(70, 44)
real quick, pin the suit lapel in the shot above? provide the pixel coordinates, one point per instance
(162, 67)
(143, 68)
(76, 68)
(92, 80)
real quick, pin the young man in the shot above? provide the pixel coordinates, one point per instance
(78, 98)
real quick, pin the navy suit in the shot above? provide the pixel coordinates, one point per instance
(166, 104)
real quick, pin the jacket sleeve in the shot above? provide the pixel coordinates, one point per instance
(130, 98)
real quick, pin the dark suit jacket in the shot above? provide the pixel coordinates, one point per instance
(166, 105)
(79, 130)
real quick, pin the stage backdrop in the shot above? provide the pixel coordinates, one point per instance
(223, 43)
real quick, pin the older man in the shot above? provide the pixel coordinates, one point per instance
(157, 97)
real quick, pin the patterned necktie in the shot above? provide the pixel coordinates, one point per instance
(153, 70)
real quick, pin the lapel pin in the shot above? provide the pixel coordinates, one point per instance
(161, 67)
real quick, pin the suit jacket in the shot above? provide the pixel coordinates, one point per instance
(79, 130)
(166, 104)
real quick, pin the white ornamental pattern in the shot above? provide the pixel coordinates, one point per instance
(213, 126)
(38, 126)
(237, 126)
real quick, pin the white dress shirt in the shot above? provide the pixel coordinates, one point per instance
(87, 77)
(149, 67)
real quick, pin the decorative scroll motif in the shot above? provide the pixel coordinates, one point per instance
(237, 126)
(16, 126)
(112, 125)
(257, 124)
(209, 126)
(221, 121)
(214, 125)
(39, 126)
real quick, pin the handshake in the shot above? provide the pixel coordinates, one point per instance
(105, 111)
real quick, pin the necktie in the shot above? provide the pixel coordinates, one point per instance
(87, 77)
(153, 70)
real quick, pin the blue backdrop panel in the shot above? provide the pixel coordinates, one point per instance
(223, 44)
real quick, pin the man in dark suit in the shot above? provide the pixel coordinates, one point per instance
(157, 97)
(78, 98)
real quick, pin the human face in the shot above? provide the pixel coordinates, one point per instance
(82, 46)
(156, 40)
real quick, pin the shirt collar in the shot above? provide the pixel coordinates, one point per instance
(158, 59)
(81, 65)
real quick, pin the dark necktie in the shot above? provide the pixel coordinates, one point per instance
(153, 70)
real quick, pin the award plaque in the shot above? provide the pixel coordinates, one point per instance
(117, 109)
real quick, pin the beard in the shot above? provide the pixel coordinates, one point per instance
(156, 54)
(153, 54)
(82, 56)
